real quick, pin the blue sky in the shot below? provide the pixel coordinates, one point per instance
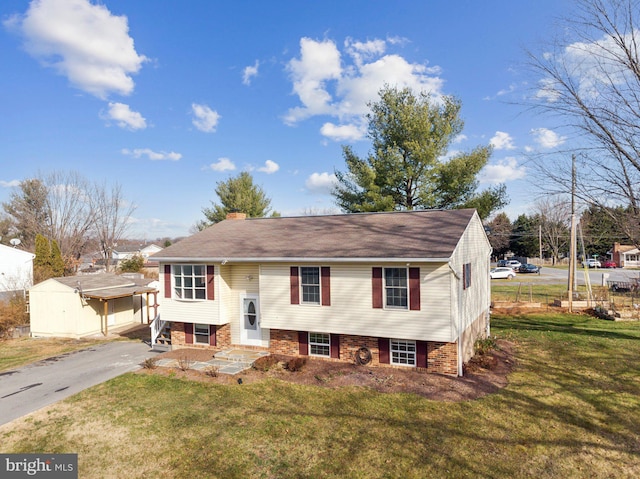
(170, 97)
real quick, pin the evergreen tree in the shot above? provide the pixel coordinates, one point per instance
(410, 135)
(237, 194)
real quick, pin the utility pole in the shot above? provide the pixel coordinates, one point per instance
(540, 241)
(572, 246)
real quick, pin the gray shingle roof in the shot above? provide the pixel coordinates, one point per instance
(408, 234)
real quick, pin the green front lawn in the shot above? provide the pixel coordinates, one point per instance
(572, 409)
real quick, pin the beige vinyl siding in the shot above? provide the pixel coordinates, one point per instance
(351, 310)
(471, 303)
(242, 279)
(191, 311)
(57, 311)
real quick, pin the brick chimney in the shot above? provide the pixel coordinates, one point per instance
(236, 215)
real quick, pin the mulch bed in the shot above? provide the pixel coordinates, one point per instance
(484, 375)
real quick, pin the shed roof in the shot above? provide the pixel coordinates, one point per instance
(425, 234)
(105, 286)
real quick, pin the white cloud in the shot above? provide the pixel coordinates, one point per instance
(9, 184)
(502, 171)
(318, 63)
(83, 42)
(205, 119)
(361, 51)
(459, 139)
(269, 167)
(546, 138)
(328, 84)
(125, 117)
(223, 164)
(321, 183)
(249, 72)
(502, 141)
(150, 154)
(342, 132)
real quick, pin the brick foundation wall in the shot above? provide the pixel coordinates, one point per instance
(223, 338)
(442, 358)
(284, 342)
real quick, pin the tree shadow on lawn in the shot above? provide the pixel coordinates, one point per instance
(582, 325)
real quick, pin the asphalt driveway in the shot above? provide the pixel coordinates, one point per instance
(39, 384)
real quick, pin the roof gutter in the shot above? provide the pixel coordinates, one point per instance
(297, 259)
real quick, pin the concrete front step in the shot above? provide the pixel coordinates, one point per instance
(230, 361)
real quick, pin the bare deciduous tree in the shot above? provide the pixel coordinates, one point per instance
(67, 208)
(69, 211)
(554, 218)
(27, 210)
(112, 214)
(590, 78)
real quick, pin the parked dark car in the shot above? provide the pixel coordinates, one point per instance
(529, 268)
(502, 263)
(609, 264)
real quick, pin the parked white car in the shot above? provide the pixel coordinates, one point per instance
(502, 273)
(592, 263)
(514, 264)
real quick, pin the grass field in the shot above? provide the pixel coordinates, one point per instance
(572, 409)
(18, 352)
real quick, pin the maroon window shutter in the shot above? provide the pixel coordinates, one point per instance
(335, 346)
(325, 275)
(383, 350)
(167, 280)
(188, 333)
(421, 354)
(212, 335)
(295, 285)
(376, 284)
(414, 289)
(303, 342)
(210, 288)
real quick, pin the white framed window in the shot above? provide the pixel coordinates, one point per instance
(396, 288)
(310, 284)
(403, 352)
(320, 344)
(190, 281)
(201, 333)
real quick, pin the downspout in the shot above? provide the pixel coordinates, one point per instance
(459, 341)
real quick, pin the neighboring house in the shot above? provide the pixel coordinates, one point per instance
(625, 256)
(77, 306)
(407, 288)
(118, 256)
(16, 270)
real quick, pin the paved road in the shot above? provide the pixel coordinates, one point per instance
(595, 275)
(36, 385)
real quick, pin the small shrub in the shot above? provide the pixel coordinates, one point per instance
(485, 346)
(296, 364)
(184, 363)
(150, 363)
(265, 363)
(212, 371)
(13, 312)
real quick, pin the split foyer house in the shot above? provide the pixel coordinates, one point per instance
(400, 288)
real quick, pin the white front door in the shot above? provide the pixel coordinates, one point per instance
(251, 333)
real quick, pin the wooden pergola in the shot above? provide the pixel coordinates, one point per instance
(109, 294)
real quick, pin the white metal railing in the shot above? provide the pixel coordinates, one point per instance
(157, 325)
